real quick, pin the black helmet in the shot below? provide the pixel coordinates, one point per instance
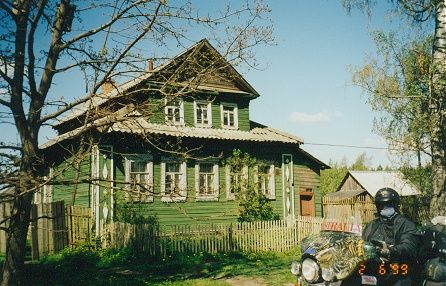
(388, 195)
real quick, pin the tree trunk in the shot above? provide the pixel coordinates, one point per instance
(16, 241)
(438, 141)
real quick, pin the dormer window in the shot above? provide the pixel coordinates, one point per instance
(174, 110)
(229, 118)
(203, 115)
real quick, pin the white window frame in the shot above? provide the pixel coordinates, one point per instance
(138, 195)
(230, 193)
(181, 195)
(268, 190)
(175, 104)
(225, 114)
(215, 184)
(45, 193)
(208, 113)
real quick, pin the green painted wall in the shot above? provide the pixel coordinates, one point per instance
(191, 211)
(157, 112)
(64, 186)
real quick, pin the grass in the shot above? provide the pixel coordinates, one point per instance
(83, 266)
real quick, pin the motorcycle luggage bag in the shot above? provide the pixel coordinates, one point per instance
(435, 269)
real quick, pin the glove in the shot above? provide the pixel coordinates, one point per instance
(384, 253)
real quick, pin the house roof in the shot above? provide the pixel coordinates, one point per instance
(372, 181)
(177, 64)
(347, 194)
(139, 125)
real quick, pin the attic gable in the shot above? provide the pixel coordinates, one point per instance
(199, 68)
(202, 68)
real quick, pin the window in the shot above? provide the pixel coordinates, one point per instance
(45, 193)
(174, 110)
(139, 175)
(229, 117)
(173, 180)
(235, 180)
(206, 180)
(265, 179)
(203, 114)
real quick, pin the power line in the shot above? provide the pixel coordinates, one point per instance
(347, 146)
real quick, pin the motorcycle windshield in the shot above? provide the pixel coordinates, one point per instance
(338, 246)
(342, 219)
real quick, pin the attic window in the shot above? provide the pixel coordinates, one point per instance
(174, 110)
(203, 116)
(229, 117)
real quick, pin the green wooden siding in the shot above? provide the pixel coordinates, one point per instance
(156, 110)
(189, 119)
(64, 187)
(243, 116)
(216, 115)
(192, 211)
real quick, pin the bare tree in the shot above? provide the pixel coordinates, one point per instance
(42, 40)
(433, 11)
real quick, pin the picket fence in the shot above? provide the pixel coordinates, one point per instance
(247, 237)
(56, 225)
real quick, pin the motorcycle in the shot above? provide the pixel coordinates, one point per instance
(339, 255)
(433, 252)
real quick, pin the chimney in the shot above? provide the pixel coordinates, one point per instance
(108, 86)
(150, 65)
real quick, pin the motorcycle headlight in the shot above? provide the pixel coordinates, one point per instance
(310, 270)
(296, 268)
(328, 273)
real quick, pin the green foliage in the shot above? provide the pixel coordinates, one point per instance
(398, 84)
(129, 211)
(84, 266)
(252, 205)
(420, 177)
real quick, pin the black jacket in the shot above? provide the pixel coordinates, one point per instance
(400, 232)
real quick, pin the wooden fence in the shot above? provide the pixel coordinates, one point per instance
(414, 207)
(53, 226)
(47, 229)
(249, 237)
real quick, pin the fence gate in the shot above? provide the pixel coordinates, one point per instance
(79, 225)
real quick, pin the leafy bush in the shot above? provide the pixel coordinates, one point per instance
(252, 205)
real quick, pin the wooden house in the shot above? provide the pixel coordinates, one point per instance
(358, 189)
(161, 139)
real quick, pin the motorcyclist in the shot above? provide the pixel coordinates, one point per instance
(397, 241)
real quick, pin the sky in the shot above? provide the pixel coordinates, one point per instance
(306, 89)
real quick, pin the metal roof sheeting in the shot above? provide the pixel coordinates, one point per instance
(372, 181)
(139, 125)
(258, 133)
(345, 194)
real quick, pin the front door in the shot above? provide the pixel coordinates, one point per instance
(306, 202)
